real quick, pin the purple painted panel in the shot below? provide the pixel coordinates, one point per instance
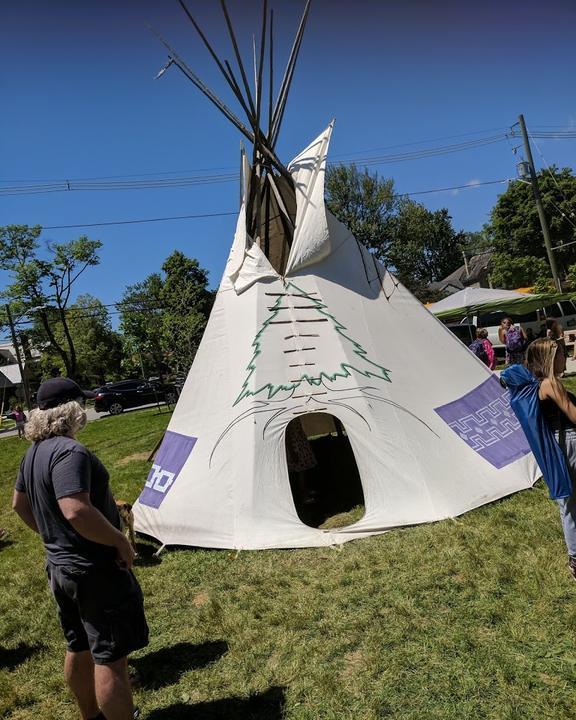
(170, 459)
(485, 421)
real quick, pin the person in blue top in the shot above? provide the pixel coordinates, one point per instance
(547, 413)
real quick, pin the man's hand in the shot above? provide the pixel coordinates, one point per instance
(124, 554)
(91, 524)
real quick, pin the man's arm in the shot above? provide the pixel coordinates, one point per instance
(92, 525)
(554, 390)
(21, 506)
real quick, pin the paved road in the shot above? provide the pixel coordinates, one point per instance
(92, 415)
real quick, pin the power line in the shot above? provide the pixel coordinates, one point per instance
(230, 169)
(129, 183)
(78, 314)
(467, 186)
(422, 142)
(134, 222)
(538, 128)
(70, 185)
(83, 185)
(548, 135)
(430, 152)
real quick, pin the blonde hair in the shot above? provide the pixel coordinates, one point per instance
(540, 358)
(481, 333)
(66, 419)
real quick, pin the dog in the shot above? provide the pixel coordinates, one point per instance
(127, 521)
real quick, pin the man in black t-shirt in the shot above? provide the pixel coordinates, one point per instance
(62, 493)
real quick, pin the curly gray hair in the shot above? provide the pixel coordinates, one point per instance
(66, 419)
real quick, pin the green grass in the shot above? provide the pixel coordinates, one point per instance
(466, 618)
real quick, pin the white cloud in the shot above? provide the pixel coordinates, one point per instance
(474, 182)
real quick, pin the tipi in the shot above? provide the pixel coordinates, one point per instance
(306, 323)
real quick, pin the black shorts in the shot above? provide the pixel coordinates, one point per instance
(101, 610)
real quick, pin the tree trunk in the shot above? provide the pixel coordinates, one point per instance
(73, 359)
(60, 350)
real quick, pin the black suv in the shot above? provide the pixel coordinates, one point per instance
(115, 397)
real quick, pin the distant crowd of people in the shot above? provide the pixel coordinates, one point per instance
(516, 341)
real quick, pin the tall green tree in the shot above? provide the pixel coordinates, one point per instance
(43, 281)
(365, 203)
(141, 313)
(419, 245)
(424, 247)
(515, 226)
(510, 273)
(98, 347)
(187, 303)
(163, 317)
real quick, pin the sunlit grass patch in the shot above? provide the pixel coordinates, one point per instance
(468, 618)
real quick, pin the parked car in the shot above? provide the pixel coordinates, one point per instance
(564, 312)
(117, 396)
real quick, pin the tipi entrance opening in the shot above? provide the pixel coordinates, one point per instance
(324, 477)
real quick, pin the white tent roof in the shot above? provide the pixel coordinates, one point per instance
(474, 296)
(429, 425)
(10, 375)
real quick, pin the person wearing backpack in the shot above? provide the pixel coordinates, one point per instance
(482, 334)
(513, 338)
(479, 349)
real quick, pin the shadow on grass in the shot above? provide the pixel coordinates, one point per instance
(263, 706)
(165, 667)
(146, 554)
(12, 657)
(6, 544)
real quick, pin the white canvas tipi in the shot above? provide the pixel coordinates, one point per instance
(332, 332)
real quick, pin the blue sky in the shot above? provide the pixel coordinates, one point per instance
(80, 102)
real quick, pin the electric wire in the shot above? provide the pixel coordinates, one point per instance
(69, 185)
(77, 314)
(139, 221)
(549, 171)
(130, 183)
(135, 221)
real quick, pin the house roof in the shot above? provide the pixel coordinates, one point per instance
(10, 375)
(462, 277)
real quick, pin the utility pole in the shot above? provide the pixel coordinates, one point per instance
(18, 356)
(466, 263)
(538, 200)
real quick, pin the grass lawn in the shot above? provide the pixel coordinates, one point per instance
(466, 618)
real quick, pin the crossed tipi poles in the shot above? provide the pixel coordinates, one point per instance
(265, 192)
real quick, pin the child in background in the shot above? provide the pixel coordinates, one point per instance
(20, 420)
(482, 334)
(482, 348)
(555, 332)
(513, 338)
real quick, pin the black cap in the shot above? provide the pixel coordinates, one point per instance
(58, 391)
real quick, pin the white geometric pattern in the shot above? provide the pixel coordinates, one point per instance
(487, 426)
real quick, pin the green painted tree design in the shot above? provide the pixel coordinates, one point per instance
(294, 352)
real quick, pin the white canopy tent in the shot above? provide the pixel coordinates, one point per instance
(430, 427)
(470, 297)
